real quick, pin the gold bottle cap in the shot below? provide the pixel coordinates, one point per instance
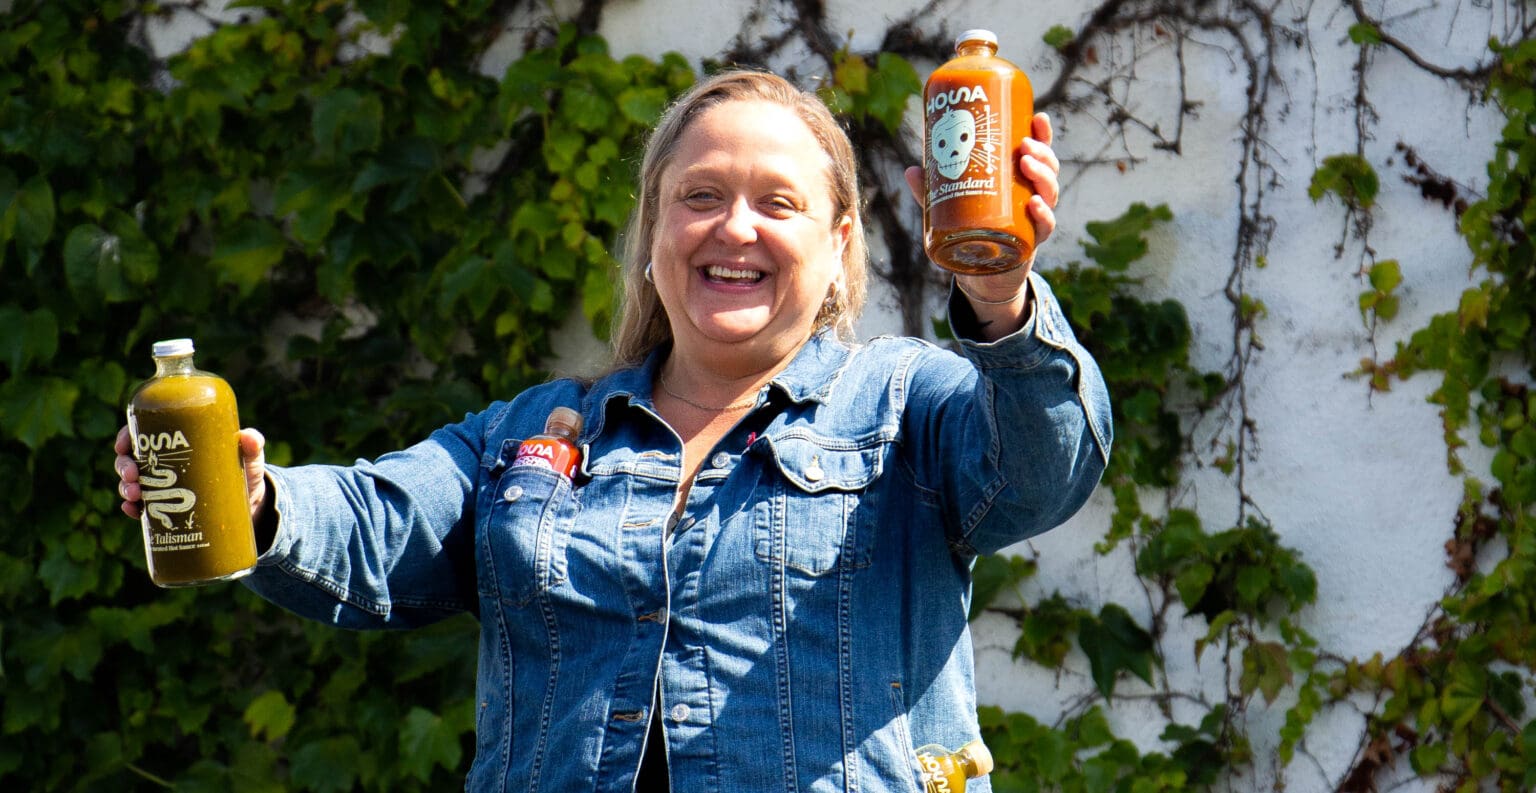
(980, 755)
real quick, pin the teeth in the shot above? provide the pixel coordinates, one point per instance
(732, 274)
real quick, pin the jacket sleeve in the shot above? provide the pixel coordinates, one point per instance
(387, 543)
(1015, 436)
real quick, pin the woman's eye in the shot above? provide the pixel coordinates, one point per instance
(779, 205)
(699, 199)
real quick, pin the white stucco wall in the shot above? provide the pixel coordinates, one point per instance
(1356, 483)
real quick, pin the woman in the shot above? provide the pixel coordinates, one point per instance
(758, 579)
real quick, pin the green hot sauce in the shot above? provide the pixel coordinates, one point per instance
(197, 518)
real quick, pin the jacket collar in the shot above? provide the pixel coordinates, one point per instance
(815, 369)
(810, 377)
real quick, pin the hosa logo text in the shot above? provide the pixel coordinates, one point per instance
(163, 441)
(956, 96)
(938, 782)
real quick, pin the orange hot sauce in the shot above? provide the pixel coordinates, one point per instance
(555, 449)
(977, 107)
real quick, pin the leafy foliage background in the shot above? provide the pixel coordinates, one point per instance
(369, 236)
(418, 228)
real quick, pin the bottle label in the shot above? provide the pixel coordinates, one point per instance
(964, 144)
(169, 509)
(935, 775)
(549, 453)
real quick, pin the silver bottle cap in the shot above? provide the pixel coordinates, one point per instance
(171, 348)
(976, 34)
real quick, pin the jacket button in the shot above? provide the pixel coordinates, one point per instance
(680, 712)
(720, 460)
(513, 493)
(814, 473)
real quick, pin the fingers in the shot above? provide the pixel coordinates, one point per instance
(1040, 129)
(253, 454)
(1038, 161)
(1042, 218)
(1042, 168)
(1041, 174)
(252, 444)
(126, 467)
(127, 474)
(914, 176)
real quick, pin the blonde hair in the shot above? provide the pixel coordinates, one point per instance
(641, 325)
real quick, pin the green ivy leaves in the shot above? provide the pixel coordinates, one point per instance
(1085, 756)
(1381, 300)
(368, 241)
(877, 92)
(270, 716)
(1243, 570)
(35, 409)
(1119, 242)
(1348, 177)
(1454, 697)
(1114, 642)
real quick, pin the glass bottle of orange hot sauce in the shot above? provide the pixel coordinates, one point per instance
(977, 107)
(196, 513)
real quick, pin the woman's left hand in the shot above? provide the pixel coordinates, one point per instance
(1041, 168)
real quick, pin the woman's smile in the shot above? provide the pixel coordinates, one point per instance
(729, 275)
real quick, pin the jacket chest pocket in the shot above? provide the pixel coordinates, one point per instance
(821, 516)
(528, 524)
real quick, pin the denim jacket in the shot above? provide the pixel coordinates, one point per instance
(805, 619)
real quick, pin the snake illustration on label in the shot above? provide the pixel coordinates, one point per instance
(170, 509)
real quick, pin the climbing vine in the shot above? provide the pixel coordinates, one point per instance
(1455, 701)
(371, 229)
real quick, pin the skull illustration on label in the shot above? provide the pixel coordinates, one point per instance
(951, 140)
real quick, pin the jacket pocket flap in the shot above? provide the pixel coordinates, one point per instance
(815, 465)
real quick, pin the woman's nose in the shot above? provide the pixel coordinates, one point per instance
(739, 223)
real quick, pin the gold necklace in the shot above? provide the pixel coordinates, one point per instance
(685, 400)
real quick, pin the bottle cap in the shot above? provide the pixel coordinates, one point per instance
(563, 421)
(980, 755)
(171, 348)
(976, 34)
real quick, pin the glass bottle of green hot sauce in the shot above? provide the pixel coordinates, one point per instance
(196, 513)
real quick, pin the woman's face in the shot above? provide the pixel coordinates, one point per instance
(746, 245)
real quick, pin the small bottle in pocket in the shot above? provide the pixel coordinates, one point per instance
(555, 448)
(946, 772)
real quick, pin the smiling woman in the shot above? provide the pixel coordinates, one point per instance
(747, 250)
(757, 578)
(826, 161)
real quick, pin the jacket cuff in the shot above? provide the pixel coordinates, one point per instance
(1045, 330)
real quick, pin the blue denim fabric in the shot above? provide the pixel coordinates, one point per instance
(806, 617)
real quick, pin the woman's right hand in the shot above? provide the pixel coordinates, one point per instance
(252, 456)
